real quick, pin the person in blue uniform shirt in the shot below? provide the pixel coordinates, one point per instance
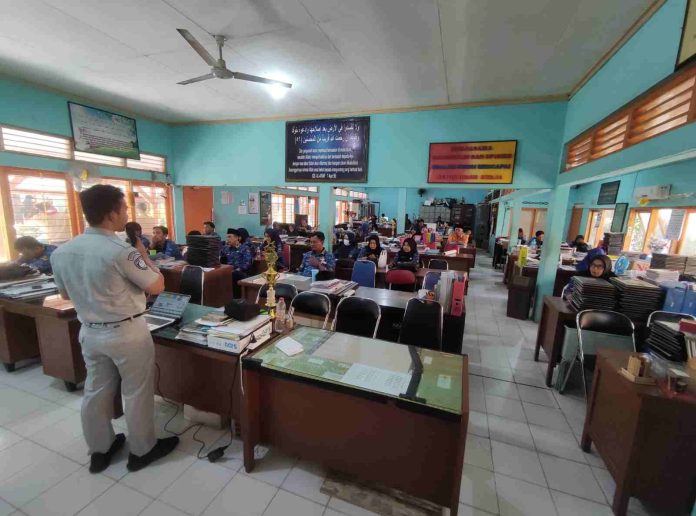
(134, 227)
(317, 257)
(34, 254)
(163, 245)
(237, 255)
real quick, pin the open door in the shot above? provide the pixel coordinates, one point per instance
(574, 226)
(198, 207)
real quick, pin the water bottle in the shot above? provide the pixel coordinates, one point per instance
(280, 316)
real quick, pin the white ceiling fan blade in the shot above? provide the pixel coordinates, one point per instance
(198, 79)
(197, 47)
(263, 80)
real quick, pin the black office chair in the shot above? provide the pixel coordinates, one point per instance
(436, 263)
(284, 290)
(357, 316)
(422, 324)
(192, 283)
(325, 275)
(312, 303)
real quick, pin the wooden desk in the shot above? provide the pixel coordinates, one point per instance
(563, 276)
(250, 287)
(459, 262)
(18, 338)
(555, 314)
(647, 440)
(204, 378)
(56, 330)
(217, 284)
(414, 444)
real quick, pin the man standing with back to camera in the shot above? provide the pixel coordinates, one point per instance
(106, 279)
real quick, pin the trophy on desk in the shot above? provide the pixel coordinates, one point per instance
(271, 276)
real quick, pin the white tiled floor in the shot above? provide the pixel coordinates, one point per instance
(522, 452)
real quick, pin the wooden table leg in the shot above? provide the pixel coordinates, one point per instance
(620, 503)
(61, 353)
(250, 416)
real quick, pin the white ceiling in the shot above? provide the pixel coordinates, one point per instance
(340, 55)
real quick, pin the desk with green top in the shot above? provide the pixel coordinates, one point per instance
(407, 432)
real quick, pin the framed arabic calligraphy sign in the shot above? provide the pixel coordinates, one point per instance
(332, 150)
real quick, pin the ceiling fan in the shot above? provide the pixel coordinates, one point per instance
(218, 67)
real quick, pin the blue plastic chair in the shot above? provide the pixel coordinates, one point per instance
(430, 280)
(364, 272)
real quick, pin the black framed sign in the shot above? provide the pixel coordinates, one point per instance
(331, 150)
(608, 192)
(617, 223)
(265, 208)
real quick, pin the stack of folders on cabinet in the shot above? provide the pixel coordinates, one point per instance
(592, 293)
(636, 298)
(449, 292)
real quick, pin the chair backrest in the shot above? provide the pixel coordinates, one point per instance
(344, 268)
(284, 290)
(422, 324)
(439, 264)
(364, 272)
(286, 255)
(401, 277)
(660, 315)
(357, 316)
(431, 279)
(192, 283)
(604, 329)
(312, 303)
(325, 275)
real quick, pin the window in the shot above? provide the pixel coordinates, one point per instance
(598, 223)
(123, 185)
(666, 106)
(40, 207)
(53, 146)
(341, 208)
(303, 188)
(531, 221)
(151, 206)
(284, 207)
(647, 232)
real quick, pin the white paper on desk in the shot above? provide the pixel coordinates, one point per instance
(290, 346)
(376, 379)
(208, 269)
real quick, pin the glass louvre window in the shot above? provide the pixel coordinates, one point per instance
(40, 208)
(151, 205)
(148, 162)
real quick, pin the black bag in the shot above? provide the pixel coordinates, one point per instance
(242, 310)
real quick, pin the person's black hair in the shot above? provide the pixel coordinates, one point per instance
(243, 234)
(26, 243)
(275, 235)
(376, 239)
(235, 232)
(209, 223)
(134, 227)
(320, 235)
(459, 226)
(579, 236)
(540, 232)
(163, 229)
(403, 255)
(99, 201)
(193, 232)
(520, 229)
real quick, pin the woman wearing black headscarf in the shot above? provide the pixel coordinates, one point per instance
(272, 237)
(407, 257)
(372, 250)
(346, 248)
(599, 268)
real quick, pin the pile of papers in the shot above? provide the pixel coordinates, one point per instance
(636, 298)
(690, 267)
(592, 293)
(30, 290)
(232, 336)
(659, 275)
(673, 262)
(614, 243)
(333, 287)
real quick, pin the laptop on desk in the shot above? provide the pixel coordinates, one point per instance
(167, 309)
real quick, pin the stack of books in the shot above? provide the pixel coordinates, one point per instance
(592, 293)
(690, 267)
(659, 275)
(667, 341)
(614, 243)
(636, 298)
(334, 287)
(674, 262)
(203, 250)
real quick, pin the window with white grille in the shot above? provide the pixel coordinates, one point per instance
(150, 204)
(148, 162)
(30, 142)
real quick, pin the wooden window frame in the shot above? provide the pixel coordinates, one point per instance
(675, 245)
(294, 198)
(588, 227)
(638, 120)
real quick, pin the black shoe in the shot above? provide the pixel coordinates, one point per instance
(163, 448)
(100, 461)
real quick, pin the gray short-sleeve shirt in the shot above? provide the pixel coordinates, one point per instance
(104, 276)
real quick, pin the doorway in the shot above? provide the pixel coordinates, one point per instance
(198, 207)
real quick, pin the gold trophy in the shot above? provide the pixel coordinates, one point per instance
(271, 276)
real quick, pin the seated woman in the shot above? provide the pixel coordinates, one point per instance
(580, 245)
(346, 248)
(599, 267)
(292, 231)
(272, 237)
(372, 250)
(407, 257)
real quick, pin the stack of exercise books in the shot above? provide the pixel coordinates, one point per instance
(333, 287)
(591, 293)
(674, 262)
(690, 267)
(667, 341)
(203, 250)
(614, 243)
(636, 298)
(659, 275)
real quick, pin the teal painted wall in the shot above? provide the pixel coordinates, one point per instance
(254, 153)
(647, 58)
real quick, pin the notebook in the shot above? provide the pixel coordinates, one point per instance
(167, 309)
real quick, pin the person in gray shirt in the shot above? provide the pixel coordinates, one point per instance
(106, 279)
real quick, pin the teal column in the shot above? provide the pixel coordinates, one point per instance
(401, 211)
(555, 220)
(327, 212)
(179, 229)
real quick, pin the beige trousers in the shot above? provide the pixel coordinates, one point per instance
(120, 350)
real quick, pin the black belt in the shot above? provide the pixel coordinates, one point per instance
(102, 324)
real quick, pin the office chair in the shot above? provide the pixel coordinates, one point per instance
(422, 324)
(599, 328)
(660, 315)
(325, 275)
(357, 316)
(286, 256)
(192, 277)
(401, 277)
(344, 268)
(436, 263)
(284, 290)
(312, 303)
(431, 279)
(364, 273)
